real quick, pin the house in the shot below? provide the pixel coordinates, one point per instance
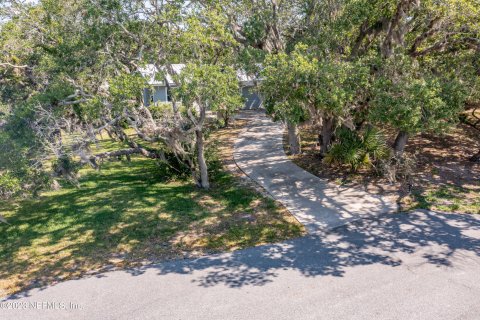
(160, 92)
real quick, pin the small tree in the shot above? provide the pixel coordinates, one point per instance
(202, 88)
(286, 87)
(413, 101)
(339, 85)
(299, 86)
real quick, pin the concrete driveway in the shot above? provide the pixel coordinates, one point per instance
(318, 204)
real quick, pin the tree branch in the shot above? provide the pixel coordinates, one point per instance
(6, 64)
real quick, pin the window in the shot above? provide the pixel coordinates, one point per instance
(169, 95)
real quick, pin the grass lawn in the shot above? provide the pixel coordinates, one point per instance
(449, 198)
(125, 215)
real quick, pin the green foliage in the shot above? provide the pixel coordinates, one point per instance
(159, 109)
(212, 86)
(173, 169)
(413, 100)
(357, 149)
(126, 87)
(57, 91)
(288, 84)
(340, 84)
(78, 61)
(297, 84)
(16, 166)
(205, 38)
(65, 166)
(254, 27)
(9, 185)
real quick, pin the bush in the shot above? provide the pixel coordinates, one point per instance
(397, 168)
(161, 109)
(66, 167)
(173, 169)
(9, 185)
(357, 149)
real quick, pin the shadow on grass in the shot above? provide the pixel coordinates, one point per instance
(123, 217)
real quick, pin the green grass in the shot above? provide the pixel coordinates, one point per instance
(125, 214)
(450, 198)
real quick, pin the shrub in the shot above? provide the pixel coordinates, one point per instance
(173, 168)
(162, 109)
(66, 167)
(159, 109)
(357, 149)
(397, 168)
(9, 185)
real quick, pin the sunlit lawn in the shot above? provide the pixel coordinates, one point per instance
(124, 215)
(451, 198)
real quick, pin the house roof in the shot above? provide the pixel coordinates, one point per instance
(150, 71)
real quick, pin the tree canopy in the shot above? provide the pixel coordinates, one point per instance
(72, 69)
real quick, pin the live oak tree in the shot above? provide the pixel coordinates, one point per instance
(338, 94)
(298, 86)
(268, 28)
(413, 101)
(83, 68)
(205, 88)
(70, 69)
(287, 87)
(430, 35)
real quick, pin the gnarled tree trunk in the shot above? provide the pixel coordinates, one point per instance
(293, 138)
(326, 136)
(475, 157)
(400, 143)
(202, 181)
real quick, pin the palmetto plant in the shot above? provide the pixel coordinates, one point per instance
(357, 149)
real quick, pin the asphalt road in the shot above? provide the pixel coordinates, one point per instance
(421, 265)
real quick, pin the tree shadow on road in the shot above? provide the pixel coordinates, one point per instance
(436, 238)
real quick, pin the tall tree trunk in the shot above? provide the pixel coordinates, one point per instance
(293, 138)
(203, 181)
(400, 143)
(326, 135)
(226, 119)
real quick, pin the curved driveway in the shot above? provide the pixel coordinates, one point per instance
(317, 204)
